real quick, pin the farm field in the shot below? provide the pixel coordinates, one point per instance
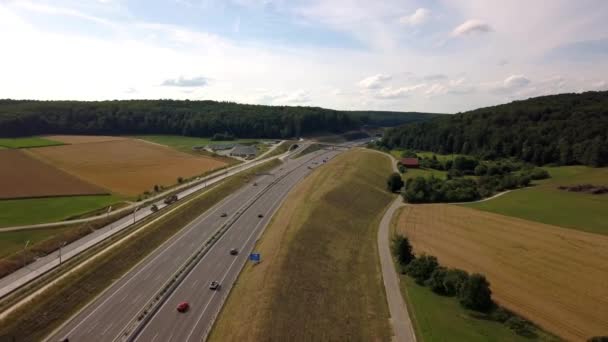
(320, 278)
(439, 318)
(547, 204)
(28, 177)
(28, 142)
(128, 166)
(40, 210)
(82, 139)
(185, 144)
(554, 276)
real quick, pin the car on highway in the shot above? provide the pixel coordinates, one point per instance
(183, 307)
(255, 184)
(214, 285)
(260, 215)
(234, 251)
(224, 215)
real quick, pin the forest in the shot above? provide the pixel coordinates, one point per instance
(190, 118)
(561, 129)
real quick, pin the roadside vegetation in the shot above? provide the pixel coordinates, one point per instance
(27, 142)
(546, 203)
(185, 144)
(46, 312)
(522, 260)
(17, 212)
(311, 148)
(320, 276)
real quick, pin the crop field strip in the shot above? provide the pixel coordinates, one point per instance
(554, 276)
(22, 176)
(28, 142)
(82, 139)
(127, 166)
(319, 278)
(43, 314)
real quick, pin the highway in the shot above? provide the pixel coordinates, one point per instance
(117, 308)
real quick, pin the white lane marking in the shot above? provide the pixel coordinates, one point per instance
(194, 284)
(108, 328)
(226, 273)
(123, 298)
(149, 263)
(154, 338)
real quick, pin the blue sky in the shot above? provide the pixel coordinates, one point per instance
(436, 55)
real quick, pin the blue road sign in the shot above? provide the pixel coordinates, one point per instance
(254, 257)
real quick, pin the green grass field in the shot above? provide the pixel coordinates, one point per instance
(185, 144)
(320, 279)
(40, 210)
(547, 204)
(27, 142)
(438, 318)
(440, 157)
(11, 242)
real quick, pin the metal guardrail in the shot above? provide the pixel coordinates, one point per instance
(131, 332)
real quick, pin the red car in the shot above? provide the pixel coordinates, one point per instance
(183, 307)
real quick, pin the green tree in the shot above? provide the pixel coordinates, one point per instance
(475, 293)
(394, 182)
(402, 249)
(421, 268)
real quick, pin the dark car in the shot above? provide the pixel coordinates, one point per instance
(234, 251)
(260, 215)
(224, 215)
(214, 285)
(183, 307)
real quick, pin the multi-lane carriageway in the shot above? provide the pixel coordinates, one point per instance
(112, 315)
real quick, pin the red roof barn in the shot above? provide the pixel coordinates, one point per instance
(410, 162)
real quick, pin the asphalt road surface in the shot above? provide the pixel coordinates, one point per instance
(108, 315)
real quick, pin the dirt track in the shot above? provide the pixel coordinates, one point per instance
(22, 176)
(556, 277)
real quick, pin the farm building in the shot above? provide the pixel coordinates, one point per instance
(410, 162)
(243, 151)
(220, 147)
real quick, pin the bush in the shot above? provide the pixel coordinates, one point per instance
(481, 170)
(402, 250)
(598, 339)
(180, 180)
(500, 314)
(436, 280)
(520, 326)
(394, 182)
(402, 168)
(475, 293)
(421, 268)
(454, 173)
(453, 281)
(538, 173)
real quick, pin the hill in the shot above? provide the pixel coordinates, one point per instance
(191, 118)
(392, 119)
(558, 129)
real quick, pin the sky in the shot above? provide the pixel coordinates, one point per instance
(442, 56)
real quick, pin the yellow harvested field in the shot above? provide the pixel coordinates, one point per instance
(126, 166)
(82, 139)
(556, 277)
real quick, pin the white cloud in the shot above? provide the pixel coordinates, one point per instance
(600, 85)
(470, 27)
(392, 93)
(454, 87)
(198, 81)
(374, 82)
(515, 81)
(419, 17)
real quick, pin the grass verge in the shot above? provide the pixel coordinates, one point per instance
(51, 209)
(311, 148)
(320, 277)
(547, 204)
(27, 142)
(46, 312)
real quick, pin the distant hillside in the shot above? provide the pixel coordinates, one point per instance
(391, 119)
(193, 118)
(562, 129)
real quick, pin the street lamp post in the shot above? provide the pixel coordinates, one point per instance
(60, 247)
(134, 211)
(24, 250)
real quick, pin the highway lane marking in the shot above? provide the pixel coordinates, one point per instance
(149, 263)
(194, 284)
(123, 298)
(222, 237)
(154, 338)
(226, 273)
(106, 329)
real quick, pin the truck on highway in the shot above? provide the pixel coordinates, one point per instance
(171, 199)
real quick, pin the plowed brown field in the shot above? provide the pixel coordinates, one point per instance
(556, 277)
(82, 139)
(22, 176)
(126, 166)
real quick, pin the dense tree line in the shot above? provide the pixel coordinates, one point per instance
(191, 118)
(472, 290)
(561, 129)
